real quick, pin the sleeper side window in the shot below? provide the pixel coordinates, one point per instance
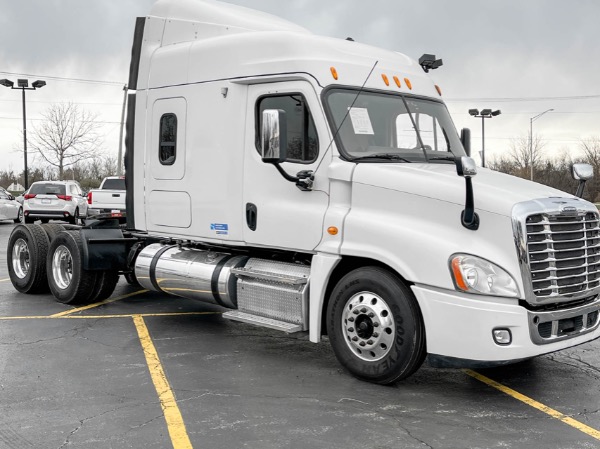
(302, 140)
(167, 150)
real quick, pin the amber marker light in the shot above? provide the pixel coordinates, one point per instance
(408, 83)
(334, 73)
(397, 81)
(332, 230)
(385, 79)
(460, 282)
(439, 91)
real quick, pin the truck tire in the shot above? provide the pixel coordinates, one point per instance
(68, 281)
(375, 326)
(52, 230)
(106, 282)
(26, 258)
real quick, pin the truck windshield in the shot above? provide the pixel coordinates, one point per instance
(376, 126)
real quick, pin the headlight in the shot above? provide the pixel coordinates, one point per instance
(475, 275)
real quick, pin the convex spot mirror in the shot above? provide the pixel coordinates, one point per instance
(465, 166)
(582, 172)
(273, 136)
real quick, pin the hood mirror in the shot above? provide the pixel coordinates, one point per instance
(466, 168)
(582, 173)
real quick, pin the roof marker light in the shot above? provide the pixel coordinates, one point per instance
(439, 91)
(408, 83)
(385, 79)
(397, 81)
(334, 73)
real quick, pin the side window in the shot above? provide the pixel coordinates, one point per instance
(302, 140)
(167, 146)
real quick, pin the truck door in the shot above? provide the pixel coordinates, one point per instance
(277, 213)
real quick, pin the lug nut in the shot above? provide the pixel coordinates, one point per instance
(351, 319)
(375, 324)
(363, 310)
(375, 334)
(362, 343)
(355, 312)
(371, 314)
(354, 338)
(350, 329)
(370, 342)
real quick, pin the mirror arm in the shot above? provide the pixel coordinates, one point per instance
(580, 188)
(303, 179)
(469, 217)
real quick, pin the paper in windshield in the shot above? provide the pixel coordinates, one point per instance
(361, 121)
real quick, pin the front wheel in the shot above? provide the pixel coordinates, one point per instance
(375, 326)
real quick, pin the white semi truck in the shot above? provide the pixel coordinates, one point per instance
(318, 185)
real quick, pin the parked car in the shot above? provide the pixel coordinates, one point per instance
(108, 199)
(9, 208)
(21, 197)
(59, 200)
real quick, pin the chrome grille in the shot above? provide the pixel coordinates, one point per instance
(563, 253)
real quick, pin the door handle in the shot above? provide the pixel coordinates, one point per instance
(251, 216)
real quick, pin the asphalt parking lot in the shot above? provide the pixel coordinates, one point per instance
(143, 370)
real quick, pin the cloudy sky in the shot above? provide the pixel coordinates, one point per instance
(522, 57)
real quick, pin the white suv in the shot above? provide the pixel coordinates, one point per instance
(59, 200)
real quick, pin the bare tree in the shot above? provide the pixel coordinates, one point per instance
(67, 136)
(523, 156)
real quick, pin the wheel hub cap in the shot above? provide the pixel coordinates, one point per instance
(368, 326)
(20, 258)
(62, 267)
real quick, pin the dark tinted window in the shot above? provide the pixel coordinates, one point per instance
(47, 189)
(168, 139)
(114, 184)
(302, 141)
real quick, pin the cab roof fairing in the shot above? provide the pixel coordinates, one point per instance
(234, 56)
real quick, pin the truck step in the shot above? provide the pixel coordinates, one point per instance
(271, 323)
(266, 276)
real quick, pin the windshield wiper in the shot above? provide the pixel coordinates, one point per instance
(388, 156)
(442, 158)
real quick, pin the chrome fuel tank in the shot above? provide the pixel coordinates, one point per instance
(189, 273)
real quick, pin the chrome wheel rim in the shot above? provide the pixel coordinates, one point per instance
(368, 326)
(20, 258)
(62, 267)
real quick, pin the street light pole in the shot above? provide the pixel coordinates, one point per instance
(23, 84)
(485, 113)
(531, 120)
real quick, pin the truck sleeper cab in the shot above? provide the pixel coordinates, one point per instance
(310, 184)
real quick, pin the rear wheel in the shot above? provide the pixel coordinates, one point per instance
(52, 230)
(26, 258)
(68, 281)
(73, 219)
(375, 326)
(106, 282)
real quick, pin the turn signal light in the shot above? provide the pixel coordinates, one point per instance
(334, 73)
(332, 230)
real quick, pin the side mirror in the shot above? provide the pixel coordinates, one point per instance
(10, 197)
(582, 173)
(465, 138)
(273, 136)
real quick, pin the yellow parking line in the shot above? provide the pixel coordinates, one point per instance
(537, 405)
(4, 280)
(175, 424)
(96, 304)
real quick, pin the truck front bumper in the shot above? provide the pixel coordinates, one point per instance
(460, 328)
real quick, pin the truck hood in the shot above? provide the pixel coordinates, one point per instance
(494, 192)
